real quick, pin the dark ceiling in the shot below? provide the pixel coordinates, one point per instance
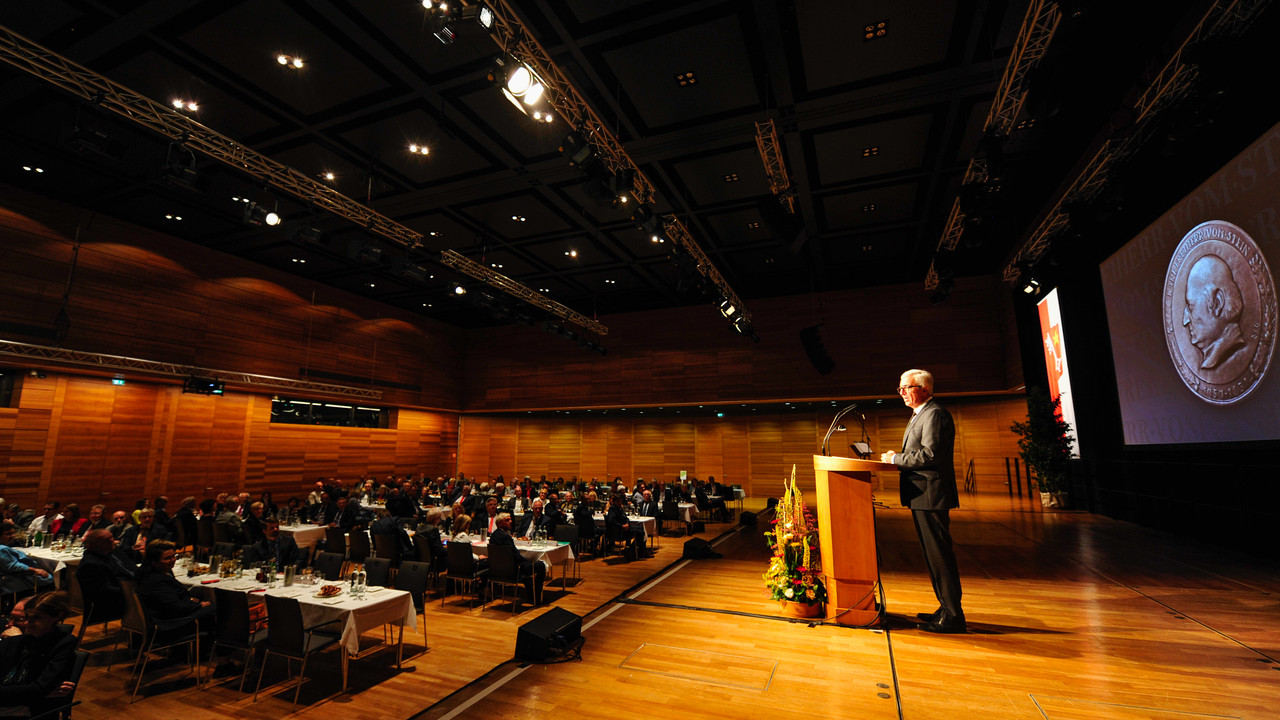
(876, 134)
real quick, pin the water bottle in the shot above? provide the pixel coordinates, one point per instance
(38, 539)
(271, 574)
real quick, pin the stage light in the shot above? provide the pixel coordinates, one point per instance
(479, 12)
(577, 149)
(459, 290)
(255, 214)
(418, 149)
(1031, 286)
(290, 61)
(520, 84)
(726, 308)
(361, 251)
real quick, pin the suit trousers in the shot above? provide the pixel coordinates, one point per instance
(934, 529)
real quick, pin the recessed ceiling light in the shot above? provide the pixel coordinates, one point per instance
(610, 282)
(372, 285)
(426, 304)
(496, 265)
(753, 226)
(544, 290)
(171, 216)
(292, 61)
(731, 177)
(33, 168)
(871, 151)
(869, 207)
(327, 175)
(417, 149)
(875, 30)
(866, 248)
(300, 261)
(657, 239)
(518, 218)
(686, 79)
(571, 253)
(768, 261)
(1025, 124)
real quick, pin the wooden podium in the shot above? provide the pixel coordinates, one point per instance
(847, 533)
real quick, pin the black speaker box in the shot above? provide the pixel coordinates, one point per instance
(699, 549)
(549, 634)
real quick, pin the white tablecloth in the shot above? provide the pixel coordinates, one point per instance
(305, 535)
(649, 524)
(550, 554)
(55, 563)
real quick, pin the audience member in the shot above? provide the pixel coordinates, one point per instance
(37, 662)
(136, 538)
(44, 523)
(70, 524)
(99, 575)
(19, 570)
(274, 546)
(532, 574)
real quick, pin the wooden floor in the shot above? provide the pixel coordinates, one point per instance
(1070, 616)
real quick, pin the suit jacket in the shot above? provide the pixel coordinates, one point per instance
(129, 538)
(926, 463)
(164, 596)
(527, 527)
(649, 509)
(284, 551)
(39, 665)
(481, 521)
(253, 529)
(100, 584)
(502, 542)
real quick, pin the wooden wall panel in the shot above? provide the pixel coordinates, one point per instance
(752, 451)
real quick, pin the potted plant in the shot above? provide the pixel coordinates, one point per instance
(791, 578)
(1044, 442)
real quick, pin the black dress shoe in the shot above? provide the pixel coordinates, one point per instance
(930, 617)
(950, 627)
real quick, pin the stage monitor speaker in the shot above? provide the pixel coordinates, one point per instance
(548, 635)
(699, 549)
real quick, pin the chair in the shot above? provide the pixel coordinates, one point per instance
(92, 615)
(222, 532)
(358, 545)
(288, 637)
(388, 547)
(329, 565)
(204, 536)
(672, 523)
(335, 540)
(377, 571)
(224, 550)
(569, 534)
(156, 634)
(304, 557)
(235, 630)
(436, 564)
(462, 568)
(63, 711)
(414, 577)
(503, 571)
(180, 536)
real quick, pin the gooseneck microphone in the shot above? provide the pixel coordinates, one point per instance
(834, 424)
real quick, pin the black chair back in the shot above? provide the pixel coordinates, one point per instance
(412, 577)
(285, 634)
(304, 557)
(567, 533)
(386, 546)
(671, 510)
(335, 540)
(329, 565)
(502, 567)
(221, 532)
(233, 617)
(377, 571)
(462, 565)
(358, 545)
(204, 533)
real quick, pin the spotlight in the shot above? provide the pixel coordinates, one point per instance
(520, 84)
(479, 12)
(363, 252)
(577, 149)
(459, 290)
(1031, 286)
(726, 308)
(309, 233)
(418, 149)
(255, 214)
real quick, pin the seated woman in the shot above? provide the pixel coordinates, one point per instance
(36, 663)
(70, 525)
(584, 517)
(164, 597)
(429, 531)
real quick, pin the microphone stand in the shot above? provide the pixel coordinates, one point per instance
(834, 424)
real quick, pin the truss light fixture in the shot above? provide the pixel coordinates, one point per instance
(171, 216)
(329, 175)
(255, 214)
(187, 105)
(459, 289)
(364, 252)
(875, 30)
(685, 79)
(1031, 286)
(571, 253)
(520, 84)
(482, 14)
(726, 308)
(869, 207)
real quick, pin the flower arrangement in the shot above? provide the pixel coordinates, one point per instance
(794, 540)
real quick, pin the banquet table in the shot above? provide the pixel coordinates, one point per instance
(61, 566)
(687, 511)
(380, 606)
(649, 524)
(550, 554)
(305, 535)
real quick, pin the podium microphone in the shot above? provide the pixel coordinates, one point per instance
(834, 424)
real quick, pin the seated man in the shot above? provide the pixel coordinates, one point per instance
(37, 661)
(274, 546)
(44, 523)
(648, 508)
(533, 520)
(136, 537)
(488, 520)
(230, 516)
(119, 523)
(99, 576)
(347, 514)
(620, 528)
(18, 571)
(252, 524)
(532, 574)
(394, 526)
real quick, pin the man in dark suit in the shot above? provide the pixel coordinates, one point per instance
(535, 519)
(135, 538)
(649, 508)
(928, 487)
(274, 545)
(531, 573)
(99, 576)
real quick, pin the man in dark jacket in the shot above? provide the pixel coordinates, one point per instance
(99, 577)
(36, 663)
(274, 546)
(532, 574)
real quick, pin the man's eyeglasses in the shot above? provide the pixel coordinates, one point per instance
(904, 388)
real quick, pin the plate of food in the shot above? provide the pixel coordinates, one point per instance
(328, 591)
